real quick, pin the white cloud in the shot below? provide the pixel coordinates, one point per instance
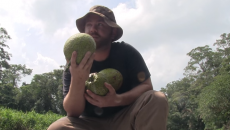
(43, 64)
(40, 65)
(165, 31)
(164, 65)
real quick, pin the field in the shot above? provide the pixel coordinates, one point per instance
(17, 120)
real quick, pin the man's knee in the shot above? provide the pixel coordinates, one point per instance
(60, 124)
(160, 96)
(157, 97)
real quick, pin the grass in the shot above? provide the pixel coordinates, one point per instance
(17, 120)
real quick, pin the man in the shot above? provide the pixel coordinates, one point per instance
(135, 106)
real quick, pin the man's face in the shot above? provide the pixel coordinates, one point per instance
(98, 29)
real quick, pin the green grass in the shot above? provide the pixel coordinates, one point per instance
(17, 120)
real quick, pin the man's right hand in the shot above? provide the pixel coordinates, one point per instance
(74, 102)
(81, 72)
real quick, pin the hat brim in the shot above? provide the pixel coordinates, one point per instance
(81, 24)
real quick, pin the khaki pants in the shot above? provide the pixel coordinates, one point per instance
(148, 112)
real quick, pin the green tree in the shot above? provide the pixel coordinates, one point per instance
(177, 119)
(214, 100)
(188, 97)
(182, 112)
(14, 74)
(25, 98)
(223, 45)
(4, 55)
(45, 92)
(204, 64)
(7, 95)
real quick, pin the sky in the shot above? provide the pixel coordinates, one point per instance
(163, 31)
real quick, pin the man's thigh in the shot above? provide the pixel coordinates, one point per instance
(148, 112)
(82, 123)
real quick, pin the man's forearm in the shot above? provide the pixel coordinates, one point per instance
(74, 102)
(130, 96)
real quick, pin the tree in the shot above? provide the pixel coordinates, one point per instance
(190, 104)
(223, 45)
(4, 55)
(182, 109)
(204, 63)
(25, 98)
(45, 92)
(214, 100)
(14, 74)
(7, 95)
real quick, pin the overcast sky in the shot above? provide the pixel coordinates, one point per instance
(164, 31)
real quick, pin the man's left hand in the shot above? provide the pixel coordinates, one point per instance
(109, 100)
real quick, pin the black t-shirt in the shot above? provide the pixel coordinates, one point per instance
(128, 61)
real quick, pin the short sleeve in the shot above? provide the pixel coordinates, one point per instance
(66, 82)
(137, 68)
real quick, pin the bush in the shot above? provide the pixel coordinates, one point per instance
(17, 120)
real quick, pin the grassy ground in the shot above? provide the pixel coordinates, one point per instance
(17, 120)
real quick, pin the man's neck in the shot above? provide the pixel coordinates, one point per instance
(102, 53)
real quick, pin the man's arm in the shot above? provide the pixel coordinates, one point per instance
(130, 96)
(112, 99)
(74, 102)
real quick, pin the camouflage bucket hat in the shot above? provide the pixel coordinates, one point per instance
(106, 14)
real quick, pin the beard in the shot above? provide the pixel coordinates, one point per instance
(102, 42)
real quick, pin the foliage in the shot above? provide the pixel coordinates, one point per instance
(182, 108)
(14, 74)
(48, 87)
(7, 95)
(18, 120)
(45, 92)
(4, 55)
(201, 99)
(223, 44)
(214, 103)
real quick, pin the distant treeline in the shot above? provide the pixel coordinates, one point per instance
(201, 100)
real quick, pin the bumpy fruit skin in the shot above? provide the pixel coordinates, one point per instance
(80, 42)
(95, 82)
(113, 77)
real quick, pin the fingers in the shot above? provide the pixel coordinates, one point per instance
(91, 98)
(92, 95)
(85, 60)
(73, 59)
(110, 87)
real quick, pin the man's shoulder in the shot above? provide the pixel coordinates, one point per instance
(122, 45)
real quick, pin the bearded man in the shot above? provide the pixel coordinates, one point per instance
(135, 106)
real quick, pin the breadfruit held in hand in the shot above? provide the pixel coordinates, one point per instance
(95, 82)
(81, 43)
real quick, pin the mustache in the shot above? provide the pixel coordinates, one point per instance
(94, 34)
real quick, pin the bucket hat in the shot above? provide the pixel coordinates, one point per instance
(106, 14)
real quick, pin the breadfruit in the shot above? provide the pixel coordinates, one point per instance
(113, 76)
(95, 82)
(81, 43)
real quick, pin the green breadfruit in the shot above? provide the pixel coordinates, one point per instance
(95, 82)
(81, 43)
